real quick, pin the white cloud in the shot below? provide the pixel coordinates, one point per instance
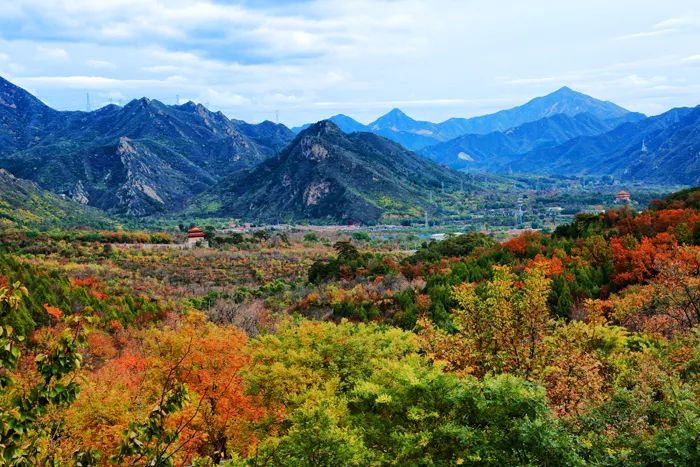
(315, 58)
(657, 32)
(668, 26)
(51, 53)
(692, 58)
(223, 99)
(98, 82)
(691, 20)
(102, 64)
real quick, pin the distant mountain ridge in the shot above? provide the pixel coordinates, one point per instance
(328, 175)
(564, 101)
(143, 158)
(492, 151)
(661, 149)
(416, 135)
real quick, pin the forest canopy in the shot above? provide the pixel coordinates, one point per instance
(580, 347)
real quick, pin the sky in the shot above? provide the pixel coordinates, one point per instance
(307, 60)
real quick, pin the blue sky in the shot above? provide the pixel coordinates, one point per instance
(311, 59)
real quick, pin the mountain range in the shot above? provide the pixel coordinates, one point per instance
(143, 158)
(149, 158)
(662, 149)
(416, 135)
(494, 151)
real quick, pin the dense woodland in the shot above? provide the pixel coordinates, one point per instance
(579, 347)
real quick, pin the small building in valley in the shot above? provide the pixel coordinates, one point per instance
(195, 237)
(623, 197)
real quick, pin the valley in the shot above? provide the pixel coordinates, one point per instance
(179, 287)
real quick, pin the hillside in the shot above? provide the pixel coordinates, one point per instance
(588, 333)
(143, 158)
(331, 176)
(661, 149)
(24, 119)
(494, 150)
(23, 204)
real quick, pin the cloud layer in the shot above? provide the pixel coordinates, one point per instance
(311, 59)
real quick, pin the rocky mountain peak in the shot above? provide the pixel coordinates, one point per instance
(322, 128)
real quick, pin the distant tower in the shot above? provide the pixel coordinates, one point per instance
(177, 99)
(427, 224)
(87, 101)
(644, 147)
(519, 215)
(443, 187)
(277, 116)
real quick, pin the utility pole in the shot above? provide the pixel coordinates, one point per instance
(87, 101)
(427, 224)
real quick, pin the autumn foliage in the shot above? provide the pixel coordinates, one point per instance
(572, 348)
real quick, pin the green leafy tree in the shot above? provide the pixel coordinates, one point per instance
(362, 395)
(20, 410)
(500, 324)
(562, 299)
(413, 414)
(361, 236)
(346, 251)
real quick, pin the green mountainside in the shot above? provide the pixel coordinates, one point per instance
(24, 204)
(328, 175)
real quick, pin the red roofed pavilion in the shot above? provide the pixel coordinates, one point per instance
(195, 232)
(622, 197)
(194, 236)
